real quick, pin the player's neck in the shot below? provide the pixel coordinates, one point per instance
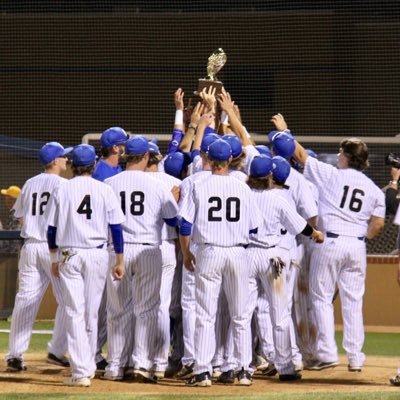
(136, 167)
(113, 160)
(152, 168)
(55, 171)
(220, 171)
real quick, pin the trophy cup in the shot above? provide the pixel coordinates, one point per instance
(215, 63)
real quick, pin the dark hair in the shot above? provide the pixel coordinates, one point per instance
(106, 151)
(356, 152)
(82, 170)
(134, 158)
(262, 183)
(154, 159)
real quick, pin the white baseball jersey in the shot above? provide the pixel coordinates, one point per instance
(348, 198)
(397, 217)
(32, 202)
(168, 232)
(187, 184)
(238, 175)
(222, 211)
(145, 202)
(277, 212)
(82, 209)
(301, 194)
(197, 164)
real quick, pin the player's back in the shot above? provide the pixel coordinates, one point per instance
(32, 202)
(348, 198)
(223, 211)
(86, 207)
(145, 202)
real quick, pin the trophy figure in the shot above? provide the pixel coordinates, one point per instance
(215, 63)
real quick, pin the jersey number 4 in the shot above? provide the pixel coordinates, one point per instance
(355, 202)
(232, 209)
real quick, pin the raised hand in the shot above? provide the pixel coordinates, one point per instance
(178, 98)
(279, 122)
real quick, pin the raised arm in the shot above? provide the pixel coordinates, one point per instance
(187, 140)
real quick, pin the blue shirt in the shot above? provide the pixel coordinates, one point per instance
(104, 170)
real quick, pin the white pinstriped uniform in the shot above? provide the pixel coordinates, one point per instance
(35, 268)
(301, 194)
(81, 210)
(168, 254)
(146, 203)
(304, 320)
(251, 152)
(188, 298)
(277, 212)
(348, 199)
(222, 212)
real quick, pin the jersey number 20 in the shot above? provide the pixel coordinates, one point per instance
(232, 209)
(355, 202)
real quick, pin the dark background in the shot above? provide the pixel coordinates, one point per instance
(72, 67)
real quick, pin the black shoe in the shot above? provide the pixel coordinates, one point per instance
(270, 370)
(174, 366)
(186, 372)
(227, 377)
(244, 378)
(53, 359)
(202, 380)
(290, 377)
(144, 376)
(15, 365)
(101, 366)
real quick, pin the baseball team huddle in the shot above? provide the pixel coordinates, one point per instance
(214, 261)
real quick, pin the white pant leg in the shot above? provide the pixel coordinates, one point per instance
(83, 278)
(33, 282)
(275, 288)
(223, 349)
(120, 319)
(325, 259)
(209, 264)
(163, 338)
(351, 283)
(146, 284)
(188, 303)
(306, 329)
(235, 282)
(102, 327)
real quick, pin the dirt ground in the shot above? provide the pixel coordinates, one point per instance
(44, 378)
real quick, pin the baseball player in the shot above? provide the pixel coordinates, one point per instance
(112, 143)
(34, 264)
(147, 204)
(168, 254)
(222, 213)
(265, 245)
(80, 214)
(352, 208)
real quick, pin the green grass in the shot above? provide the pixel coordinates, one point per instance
(376, 344)
(270, 396)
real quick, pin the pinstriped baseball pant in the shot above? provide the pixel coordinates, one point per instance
(216, 267)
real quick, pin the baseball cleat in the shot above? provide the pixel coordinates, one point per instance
(60, 361)
(79, 382)
(15, 365)
(159, 374)
(354, 368)
(261, 363)
(227, 377)
(319, 366)
(290, 377)
(108, 376)
(298, 367)
(186, 372)
(395, 380)
(201, 380)
(216, 372)
(244, 378)
(270, 370)
(144, 376)
(101, 366)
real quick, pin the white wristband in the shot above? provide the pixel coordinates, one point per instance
(178, 117)
(54, 257)
(224, 118)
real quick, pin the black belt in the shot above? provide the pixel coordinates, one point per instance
(335, 236)
(101, 246)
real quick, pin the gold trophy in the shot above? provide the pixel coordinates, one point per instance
(215, 63)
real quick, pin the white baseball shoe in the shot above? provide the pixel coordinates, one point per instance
(79, 382)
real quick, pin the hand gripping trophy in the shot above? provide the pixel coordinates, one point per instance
(215, 63)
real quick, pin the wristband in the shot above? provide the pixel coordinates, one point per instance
(393, 182)
(224, 118)
(178, 117)
(54, 257)
(193, 126)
